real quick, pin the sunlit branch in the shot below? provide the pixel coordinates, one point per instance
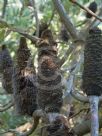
(81, 98)
(18, 30)
(25, 34)
(93, 22)
(64, 58)
(66, 20)
(86, 9)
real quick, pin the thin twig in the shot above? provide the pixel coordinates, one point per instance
(81, 110)
(80, 97)
(52, 16)
(94, 20)
(86, 9)
(34, 126)
(6, 104)
(36, 17)
(34, 39)
(6, 107)
(62, 61)
(66, 19)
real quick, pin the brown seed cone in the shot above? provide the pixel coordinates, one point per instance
(93, 8)
(25, 91)
(5, 58)
(92, 73)
(6, 68)
(7, 80)
(23, 54)
(24, 81)
(49, 77)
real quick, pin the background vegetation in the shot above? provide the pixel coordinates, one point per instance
(22, 15)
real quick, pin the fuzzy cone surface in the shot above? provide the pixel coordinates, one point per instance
(23, 54)
(24, 79)
(92, 73)
(49, 77)
(6, 69)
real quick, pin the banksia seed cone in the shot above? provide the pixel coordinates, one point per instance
(93, 8)
(49, 77)
(5, 58)
(92, 73)
(25, 91)
(23, 54)
(24, 80)
(6, 68)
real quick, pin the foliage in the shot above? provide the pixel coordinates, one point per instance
(20, 14)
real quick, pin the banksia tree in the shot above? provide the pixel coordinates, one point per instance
(6, 68)
(24, 78)
(49, 77)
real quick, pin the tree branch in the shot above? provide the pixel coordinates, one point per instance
(34, 39)
(93, 21)
(86, 9)
(69, 50)
(6, 107)
(81, 110)
(66, 20)
(84, 127)
(81, 98)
